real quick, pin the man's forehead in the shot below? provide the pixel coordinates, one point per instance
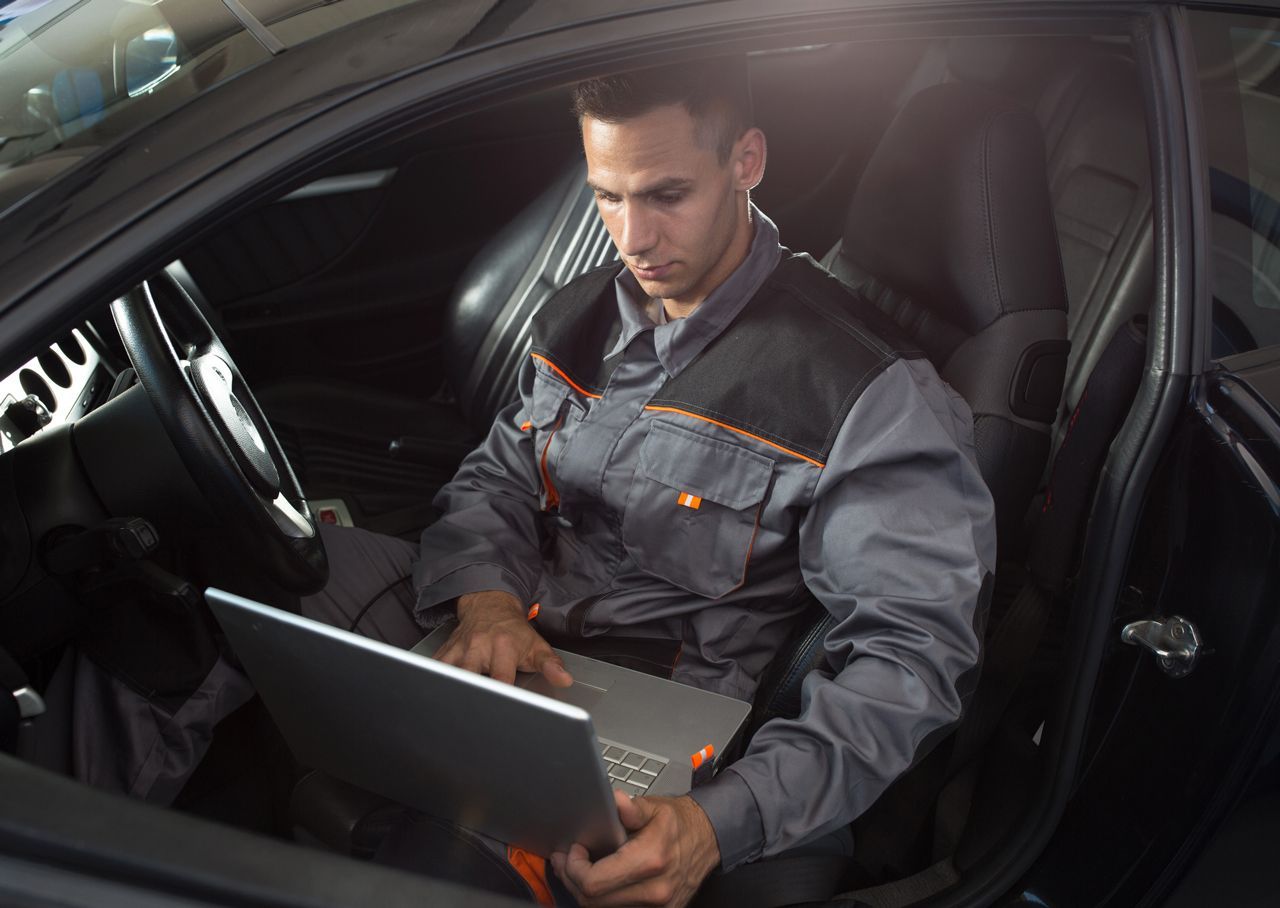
(646, 153)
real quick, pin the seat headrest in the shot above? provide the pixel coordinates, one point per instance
(953, 208)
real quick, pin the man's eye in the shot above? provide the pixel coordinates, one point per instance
(668, 198)
(605, 197)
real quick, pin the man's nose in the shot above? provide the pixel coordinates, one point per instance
(636, 234)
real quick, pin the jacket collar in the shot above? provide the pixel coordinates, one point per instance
(678, 342)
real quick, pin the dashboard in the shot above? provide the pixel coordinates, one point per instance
(59, 385)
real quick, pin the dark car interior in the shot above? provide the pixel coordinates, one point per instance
(380, 308)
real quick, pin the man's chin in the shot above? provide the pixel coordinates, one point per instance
(663, 288)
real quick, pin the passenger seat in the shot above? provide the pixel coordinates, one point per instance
(1089, 102)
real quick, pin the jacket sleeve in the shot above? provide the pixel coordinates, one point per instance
(489, 536)
(896, 546)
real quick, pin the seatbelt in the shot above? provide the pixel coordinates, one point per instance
(1106, 400)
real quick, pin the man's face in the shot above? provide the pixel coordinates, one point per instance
(676, 213)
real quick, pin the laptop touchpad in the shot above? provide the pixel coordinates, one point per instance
(578, 693)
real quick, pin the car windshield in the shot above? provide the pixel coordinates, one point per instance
(77, 75)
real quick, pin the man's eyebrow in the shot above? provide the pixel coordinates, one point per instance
(666, 185)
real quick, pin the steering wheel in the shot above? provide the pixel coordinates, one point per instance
(219, 431)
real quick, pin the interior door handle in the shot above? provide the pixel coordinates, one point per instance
(1175, 642)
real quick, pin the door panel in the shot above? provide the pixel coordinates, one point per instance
(1166, 756)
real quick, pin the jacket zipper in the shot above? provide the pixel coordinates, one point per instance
(553, 497)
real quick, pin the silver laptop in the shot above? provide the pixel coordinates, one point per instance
(528, 764)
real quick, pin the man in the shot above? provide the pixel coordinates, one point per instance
(705, 436)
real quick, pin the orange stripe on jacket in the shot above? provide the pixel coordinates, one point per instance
(533, 870)
(573, 384)
(716, 422)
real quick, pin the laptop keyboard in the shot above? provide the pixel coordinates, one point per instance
(629, 771)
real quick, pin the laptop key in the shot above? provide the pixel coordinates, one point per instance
(652, 767)
(633, 761)
(614, 754)
(628, 789)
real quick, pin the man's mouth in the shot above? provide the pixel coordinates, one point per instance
(654, 273)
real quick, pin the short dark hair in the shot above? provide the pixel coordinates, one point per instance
(715, 92)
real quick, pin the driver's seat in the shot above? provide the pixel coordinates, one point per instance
(554, 239)
(953, 239)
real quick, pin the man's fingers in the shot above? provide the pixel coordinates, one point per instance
(502, 665)
(559, 863)
(618, 879)
(635, 862)
(475, 658)
(552, 668)
(633, 812)
(450, 652)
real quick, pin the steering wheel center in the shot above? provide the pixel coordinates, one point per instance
(215, 382)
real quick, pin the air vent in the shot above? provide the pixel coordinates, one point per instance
(71, 349)
(54, 368)
(32, 383)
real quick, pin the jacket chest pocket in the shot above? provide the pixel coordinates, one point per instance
(693, 509)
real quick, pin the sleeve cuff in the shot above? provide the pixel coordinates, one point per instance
(731, 807)
(469, 578)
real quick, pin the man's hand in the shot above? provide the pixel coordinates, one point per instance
(494, 638)
(670, 849)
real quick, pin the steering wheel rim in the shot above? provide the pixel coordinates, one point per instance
(220, 432)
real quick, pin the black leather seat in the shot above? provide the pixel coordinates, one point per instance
(1089, 102)
(554, 239)
(951, 233)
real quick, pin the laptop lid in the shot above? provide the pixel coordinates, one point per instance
(504, 761)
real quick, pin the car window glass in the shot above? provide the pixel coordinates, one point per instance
(295, 21)
(77, 74)
(1238, 61)
(149, 58)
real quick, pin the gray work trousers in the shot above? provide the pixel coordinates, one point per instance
(370, 588)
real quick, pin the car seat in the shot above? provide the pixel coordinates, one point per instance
(486, 337)
(951, 233)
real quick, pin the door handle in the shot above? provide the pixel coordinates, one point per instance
(1175, 642)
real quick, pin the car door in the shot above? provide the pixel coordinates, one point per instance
(1185, 704)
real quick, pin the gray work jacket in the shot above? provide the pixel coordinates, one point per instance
(655, 498)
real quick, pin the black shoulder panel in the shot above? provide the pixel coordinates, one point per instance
(793, 363)
(577, 324)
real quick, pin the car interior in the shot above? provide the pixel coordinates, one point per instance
(380, 310)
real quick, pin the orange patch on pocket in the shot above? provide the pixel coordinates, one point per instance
(689, 500)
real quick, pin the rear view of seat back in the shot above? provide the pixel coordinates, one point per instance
(1088, 100)
(950, 233)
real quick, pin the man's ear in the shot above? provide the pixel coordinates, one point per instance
(748, 158)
